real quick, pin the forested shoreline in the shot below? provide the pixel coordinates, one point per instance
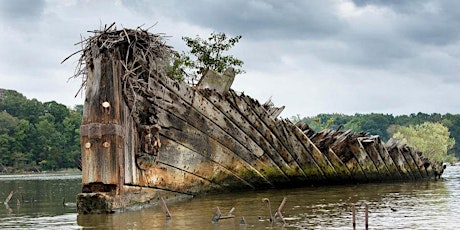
(36, 136)
(42, 136)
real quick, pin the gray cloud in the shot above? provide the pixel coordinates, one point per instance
(258, 19)
(316, 56)
(21, 10)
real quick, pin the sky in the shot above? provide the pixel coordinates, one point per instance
(317, 56)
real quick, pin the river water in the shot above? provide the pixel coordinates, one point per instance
(46, 201)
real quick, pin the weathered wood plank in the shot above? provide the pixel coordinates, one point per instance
(390, 164)
(323, 145)
(268, 137)
(210, 148)
(380, 172)
(321, 159)
(407, 153)
(399, 160)
(201, 108)
(345, 151)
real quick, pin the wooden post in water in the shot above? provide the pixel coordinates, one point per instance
(367, 217)
(102, 132)
(8, 198)
(165, 209)
(353, 210)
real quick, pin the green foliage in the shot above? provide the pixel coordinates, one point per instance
(204, 54)
(37, 135)
(432, 139)
(385, 125)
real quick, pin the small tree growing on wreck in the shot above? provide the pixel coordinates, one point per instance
(204, 54)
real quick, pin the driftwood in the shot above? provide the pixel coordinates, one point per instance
(146, 135)
(165, 209)
(278, 214)
(218, 215)
(4, 169)
(8, 198)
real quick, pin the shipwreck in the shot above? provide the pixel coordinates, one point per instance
(145, 136)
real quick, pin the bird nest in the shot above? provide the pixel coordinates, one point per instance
(144, 54)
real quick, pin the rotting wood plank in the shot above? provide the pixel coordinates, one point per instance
(365, 161)
(378, 174)
(324, 142)
(369, 146)
(130, 139)
(167, 177)
(406, 150)
(304, 158)
(236, 151)
(238, 170)
(256, 129)
(269, 139)
(342, 171)
(251, 137)
(306, 149)
(105, 147)
(221, 139)
(201, 107)
(418, 163)
(341, 145)
(181, 157)
(321, 159)
(406, 161)
(400, 161)
(386, 157)
(302, 154)
(214, 151)
(214, 130)
(421, 164)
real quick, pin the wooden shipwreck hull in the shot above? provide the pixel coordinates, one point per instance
(145, 135)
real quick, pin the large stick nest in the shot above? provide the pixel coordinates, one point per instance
(145, 54)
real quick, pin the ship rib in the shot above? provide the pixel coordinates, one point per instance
(252, 160)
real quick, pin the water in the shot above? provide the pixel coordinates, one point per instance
(38, 204)
(38, 201)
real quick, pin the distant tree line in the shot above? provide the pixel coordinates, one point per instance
(418, 126)
(36, 136)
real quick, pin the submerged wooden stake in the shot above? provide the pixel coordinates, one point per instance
(9, 197)
(267, 201)
(243, 221)
(367, 217)
(353, 208)
(218, 215)
(165, 209)
(277, 212)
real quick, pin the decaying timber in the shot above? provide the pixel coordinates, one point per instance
(146, 136)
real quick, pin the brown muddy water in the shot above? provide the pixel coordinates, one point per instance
(38, 204)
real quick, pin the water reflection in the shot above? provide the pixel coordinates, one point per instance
(392, 206)
(410, 205)
(37, 202)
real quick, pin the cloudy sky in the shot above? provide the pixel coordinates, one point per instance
(315, 56)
